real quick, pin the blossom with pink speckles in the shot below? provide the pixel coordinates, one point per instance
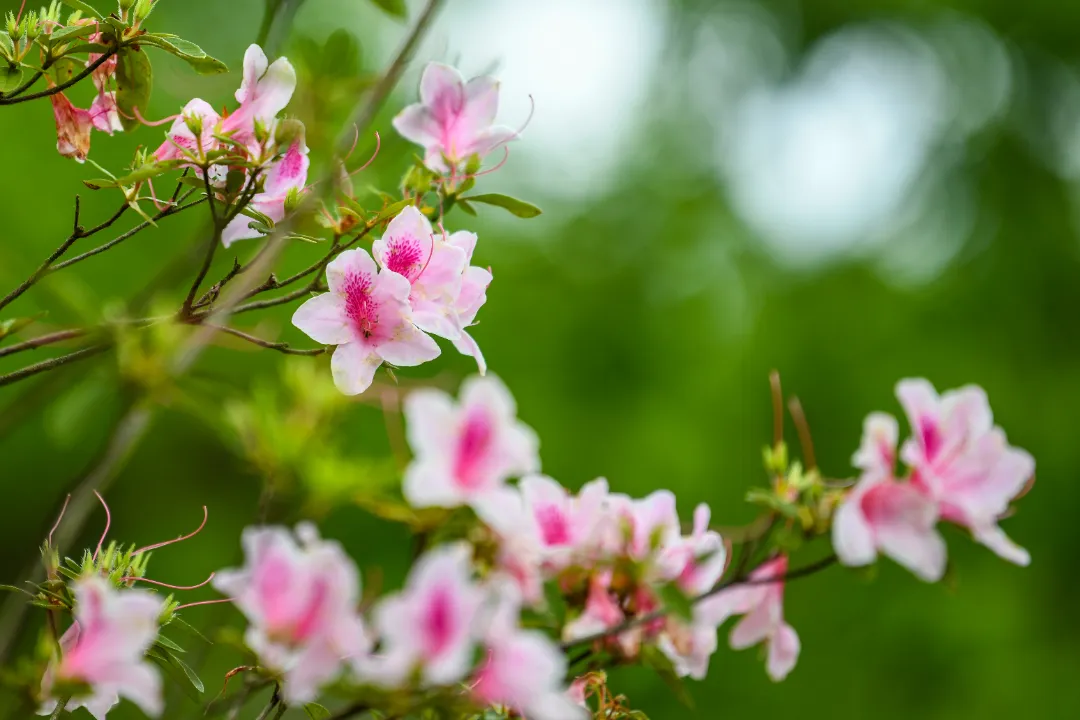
(433, 267)
(886, 515)
(366, 315)
(963, 461)
(762, 608)
(103, 652)
(301, 599)
(73, 127)
(454, 119)
(465, 451)
(287, 175)
(430, 626)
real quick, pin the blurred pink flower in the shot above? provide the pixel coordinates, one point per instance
(962, 460)
(882, 514)
(73, 127)
(762, 608)
(524, 669)
(464, 452)
(105, 650)
(432, 266)
(471, 297)
(288, 174)
(301, 600)
(453, 119)
(366, 314)
(430, 625)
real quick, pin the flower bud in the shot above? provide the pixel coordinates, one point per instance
(292, 200)
(287, 131)
(262, 133)
(143, 9)
(126, 5)
(194, 124)
(30, 25)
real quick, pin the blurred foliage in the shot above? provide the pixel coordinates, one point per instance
(636, 329)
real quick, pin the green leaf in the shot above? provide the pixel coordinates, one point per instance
(180, 622)
(165, 663)
(99, 183)
(195, 681)
(80, 5)
(73, 32)
(167, 643)
(392, 210)
(12, 588)
(134, 78)
(64, 69)
(14, 325)
(7, 48)
(147, 171)
(186, 50)
(316, 711)
(466, 207)
(512, 205)
(676, 602)
(395, 8)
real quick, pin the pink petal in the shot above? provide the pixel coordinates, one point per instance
(878, 449)
(416, 124)
(466, 345)
(323, 319)
(481, 103)
(995, 538)
(759, 624)
(852, 537)
(290, 172)
(920, 550)
(255, 64)
(442, 89)
(410, 346)
(351, 262)
(353, 367)
(783, 652)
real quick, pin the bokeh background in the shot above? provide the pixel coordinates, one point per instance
(850, 192)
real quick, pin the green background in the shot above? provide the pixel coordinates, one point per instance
(636, 322)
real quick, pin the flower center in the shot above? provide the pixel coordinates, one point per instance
(360, 307)
(474, 446)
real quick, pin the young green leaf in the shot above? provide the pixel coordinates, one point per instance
(80, 5)
(186, 50)
(393, 7)
(512, 205)
(134, 78)
(316, 711)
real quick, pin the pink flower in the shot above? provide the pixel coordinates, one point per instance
(73, 127)
(471, 297)
(654, 528)
(762, 608)
(701, 555)
(181, 143)
(366, 314)
(883, 514)
(432, 266)
(105, 650)
(524, 670)
(264, 92)
(104, 113)
(300, 599)
(601, 612)
(430, 625)
(453, 119)
(288, 174)
(962, 460)
(689, 646)
(467, 451)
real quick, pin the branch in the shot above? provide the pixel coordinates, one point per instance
(51, 363)
(738, 580)
(279, 346)
(17, 97)
(42, 340)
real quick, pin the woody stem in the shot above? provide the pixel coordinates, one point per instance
(59, 709)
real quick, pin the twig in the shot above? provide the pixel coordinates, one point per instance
(17, 97)
(42, 340)
(738, 580)
(350, 711)
(51, 363)
(279, 346)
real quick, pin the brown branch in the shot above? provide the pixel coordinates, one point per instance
(42, 340)
(16, 95)
(282, 347)
(51, 363)
(738, 580)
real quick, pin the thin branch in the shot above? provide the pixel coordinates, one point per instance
(282, 347)
(208, 257)
(46, 365)
(16, 96)
(42, 340)
(738, 580)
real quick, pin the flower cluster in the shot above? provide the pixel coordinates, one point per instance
(961, 470)
(73, 124)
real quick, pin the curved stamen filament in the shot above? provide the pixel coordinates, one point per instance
(132, 578)
(203, 602)
(108, 522)
(191, 534)
(59, 518)
(152, 123)
(378, 145)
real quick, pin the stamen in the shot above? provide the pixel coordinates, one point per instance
(108, 522)
(532, 109)
(132, 578)
(192, 534)
(203, 602)
(18, 18)
(59, 518)
(378, 145)
(356, 139)
(482, 173)
(152, 123)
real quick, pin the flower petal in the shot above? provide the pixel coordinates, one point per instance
(323, 319)
(353, 367)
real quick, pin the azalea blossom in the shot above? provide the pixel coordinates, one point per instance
(104, 112)
(432, 266)
(301, 600)
(524, 669)
(701, 554)
(762, 608)
(103, 652)
(288, 174)
(181, 143)
(430, 625)
(689, 645)
(471, 297)
(962, 460)
(73, 127)
(886, 515)
(453, 120)
(465, 451)
(366, 315)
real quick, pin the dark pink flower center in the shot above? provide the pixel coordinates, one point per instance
(554, 525)
(931, 437)
(405, 257)
(474, 447)
(360, 307)
(438, 622)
